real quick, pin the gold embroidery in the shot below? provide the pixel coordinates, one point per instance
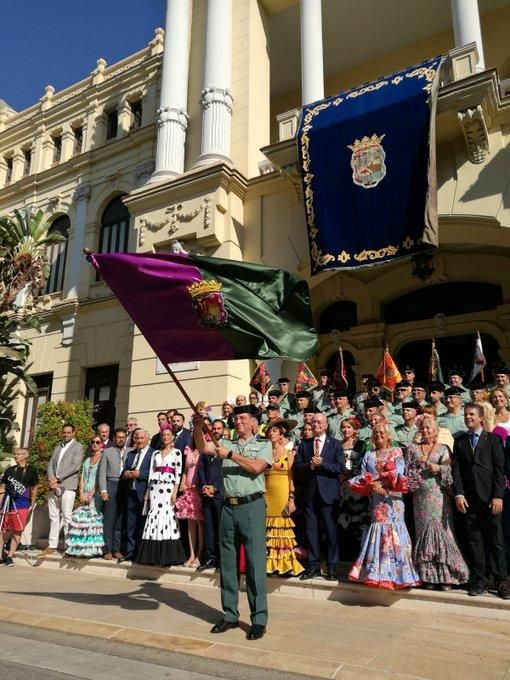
(376, 254)
(343, 257)
(408, 243)
(368, 88)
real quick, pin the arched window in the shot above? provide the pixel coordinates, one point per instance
(56, 254)
(449, 299)
(338, 316)
(114, 227)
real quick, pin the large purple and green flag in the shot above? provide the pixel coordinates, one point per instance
(191, 307)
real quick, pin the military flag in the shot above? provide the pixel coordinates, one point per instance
(261, 380)
(305, 379)
(479, 360)
(192, 307)
(388, 374)
(339, 378)
(435, 372)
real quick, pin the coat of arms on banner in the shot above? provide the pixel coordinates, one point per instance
(208, 303)
(367, 161)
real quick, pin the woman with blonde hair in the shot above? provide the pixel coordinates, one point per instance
(499, 402)
(489, 416)
(385, 560)
(436, 555)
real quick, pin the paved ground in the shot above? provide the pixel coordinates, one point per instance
(320, 638)
(27, 653)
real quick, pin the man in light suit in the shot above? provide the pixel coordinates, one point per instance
(113, 492)
(62, 473)
(136, 473)
(479, 485)
(320, 460)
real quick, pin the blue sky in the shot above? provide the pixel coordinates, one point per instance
(52, 42)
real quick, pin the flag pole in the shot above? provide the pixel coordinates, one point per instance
(176, 380)
(482, 373)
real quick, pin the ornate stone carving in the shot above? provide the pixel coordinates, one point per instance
(217, 95)
(114, 179)
(170, 114)
(147, 225)
(54, 203)
(81, 193)
(178, 215)
(142, 172)
(293, 175)
(475, 132)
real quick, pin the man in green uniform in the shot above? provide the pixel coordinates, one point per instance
(436, 391)
(456, 379)
(406, 432)
(288, 402)
(243, 517)
(343, 411)
(453, 420)
(402, 394)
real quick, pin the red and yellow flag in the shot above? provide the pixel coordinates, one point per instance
(261, 380)
(388, 374)
(305, 379)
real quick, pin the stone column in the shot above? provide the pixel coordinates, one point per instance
(217, 98)
(81, 197)
(466, 27)
(67, 143)
(172, 116)
(312, 62)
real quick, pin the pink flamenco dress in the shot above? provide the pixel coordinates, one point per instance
(189, 504)
(385, 560)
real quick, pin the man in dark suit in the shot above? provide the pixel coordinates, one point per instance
(479, 486)
(112, 489)
(182, 436)
(320, 460)
(211, 484)
(136, 473)
(156, 439)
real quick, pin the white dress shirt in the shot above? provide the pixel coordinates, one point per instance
(64, 448)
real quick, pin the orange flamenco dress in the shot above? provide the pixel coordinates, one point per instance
(280, 538)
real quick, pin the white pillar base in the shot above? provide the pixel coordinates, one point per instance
(172, 125)
(216, 120)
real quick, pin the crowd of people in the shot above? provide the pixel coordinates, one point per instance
(412, 490)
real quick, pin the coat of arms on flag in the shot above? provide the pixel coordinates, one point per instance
(388, 374)
(261, 380)
(367, 161)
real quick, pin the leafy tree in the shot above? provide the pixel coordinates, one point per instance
(52, 415)
(24, 237)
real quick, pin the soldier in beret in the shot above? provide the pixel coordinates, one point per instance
(409, 374)
(456, 379)
(419, 392)
(288, 403)
(402, 393)
(343, 410)
(453, 420)
(436, 392)
(405, 433)
(320, 394)
(243, 517)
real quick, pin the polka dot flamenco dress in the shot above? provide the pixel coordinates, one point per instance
(161, 539)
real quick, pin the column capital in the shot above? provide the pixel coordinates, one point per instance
(217, 95)
(81, 193)
(172, 114)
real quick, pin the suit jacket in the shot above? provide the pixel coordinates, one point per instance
(109, 467)
(184, 439)
(478, 475)
(156, 441)
(145, 468)
(209, 472)
(69, 465)
(323, 479)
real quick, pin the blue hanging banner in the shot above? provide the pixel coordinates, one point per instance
(368, 166)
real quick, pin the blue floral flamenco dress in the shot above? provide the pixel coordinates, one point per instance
(85, 537)
(385, 560)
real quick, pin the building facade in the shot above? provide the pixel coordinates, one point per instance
(193, 140)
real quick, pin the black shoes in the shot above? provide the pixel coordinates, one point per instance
(476, 589)
(209, 564)
(330, 575)
(504, 590)
(256, 632)
(222, 626)
(126, 558)
(309, 573)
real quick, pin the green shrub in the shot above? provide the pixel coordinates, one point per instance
(51, 417)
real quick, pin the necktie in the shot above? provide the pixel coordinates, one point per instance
(473, 438)
(317, 446)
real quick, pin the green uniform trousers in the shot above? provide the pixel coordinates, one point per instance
(244, 524)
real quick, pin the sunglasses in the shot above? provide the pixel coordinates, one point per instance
(96, 441)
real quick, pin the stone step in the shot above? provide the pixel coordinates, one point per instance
(319, 589)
